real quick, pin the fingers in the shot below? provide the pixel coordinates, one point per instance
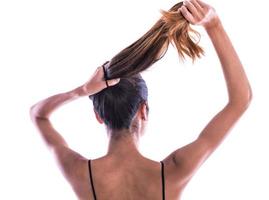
(202, 4)
(186, 13)
(195, 11)
(108, 83)
(113, 82)
(97, 82)
(199, 8)
(190, 6)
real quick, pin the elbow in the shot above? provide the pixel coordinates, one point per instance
(249, 97)
(34, 113)
(242, 101)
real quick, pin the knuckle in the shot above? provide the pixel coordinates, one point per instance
(185, 2)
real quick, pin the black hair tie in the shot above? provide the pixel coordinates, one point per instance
(105, 74)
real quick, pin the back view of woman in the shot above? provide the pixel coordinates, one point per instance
(119, 96)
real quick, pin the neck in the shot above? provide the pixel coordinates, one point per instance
(123, 143)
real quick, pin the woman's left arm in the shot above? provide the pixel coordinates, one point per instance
(41, 111)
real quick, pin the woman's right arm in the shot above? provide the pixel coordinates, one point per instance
(190, 157)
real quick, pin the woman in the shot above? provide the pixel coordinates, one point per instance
(119, 96)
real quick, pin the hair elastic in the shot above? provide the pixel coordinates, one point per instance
(105, 74)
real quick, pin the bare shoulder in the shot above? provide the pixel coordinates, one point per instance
(77, 175)
(183, 163)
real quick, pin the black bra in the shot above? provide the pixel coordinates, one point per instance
(162, 175)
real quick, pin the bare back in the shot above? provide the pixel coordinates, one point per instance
(135, 178)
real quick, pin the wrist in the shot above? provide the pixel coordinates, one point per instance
(214, 25)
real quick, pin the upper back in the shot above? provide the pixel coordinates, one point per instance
(135, 178)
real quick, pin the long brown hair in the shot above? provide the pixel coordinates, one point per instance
(172, 28)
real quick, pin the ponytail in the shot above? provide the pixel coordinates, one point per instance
(118, 105)
(172, 28)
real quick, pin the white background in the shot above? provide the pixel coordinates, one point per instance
(53, 46)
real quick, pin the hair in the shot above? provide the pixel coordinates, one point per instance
(118, 104)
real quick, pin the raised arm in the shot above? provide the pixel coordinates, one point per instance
(190, 157)
(67, 159)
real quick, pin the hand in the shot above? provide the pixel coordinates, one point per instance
(95, 84)
(199, 13)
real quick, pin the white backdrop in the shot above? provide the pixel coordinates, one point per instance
(52, 46)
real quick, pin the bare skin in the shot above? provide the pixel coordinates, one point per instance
(123, 173)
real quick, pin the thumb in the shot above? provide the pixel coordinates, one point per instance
(113, 81)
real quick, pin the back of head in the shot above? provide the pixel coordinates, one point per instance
(118, 104)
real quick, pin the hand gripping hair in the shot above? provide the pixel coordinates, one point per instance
(172, 28)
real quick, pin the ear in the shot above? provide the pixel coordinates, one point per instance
(144, 111)
(98, 117)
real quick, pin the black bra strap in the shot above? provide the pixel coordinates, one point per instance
(90, 172)
(163, 181)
